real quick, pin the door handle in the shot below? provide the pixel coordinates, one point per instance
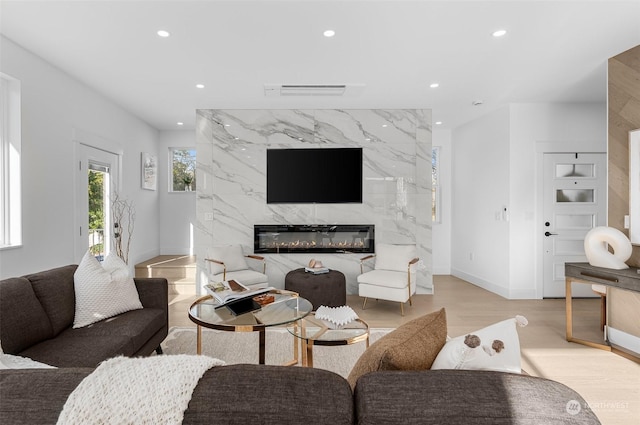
(549, 233)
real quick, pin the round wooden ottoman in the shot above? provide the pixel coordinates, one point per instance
(328, 289)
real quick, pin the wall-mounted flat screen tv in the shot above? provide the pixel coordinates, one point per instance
(324, 176)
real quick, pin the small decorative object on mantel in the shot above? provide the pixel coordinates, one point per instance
(335, 317)
(597, 252)
(316, 267)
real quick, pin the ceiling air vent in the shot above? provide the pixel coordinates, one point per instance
(312, 89)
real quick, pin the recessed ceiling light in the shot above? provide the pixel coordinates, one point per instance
(329, 33)
(163, 33)
(438, 122)
(499, 33)
(227, 125)
(385, 125)
(367, 139)
(180, 123)
(434, 85)
(200, 86)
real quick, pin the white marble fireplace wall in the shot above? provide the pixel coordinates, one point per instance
(231, 194)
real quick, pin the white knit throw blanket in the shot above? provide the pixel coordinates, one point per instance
(150, 390)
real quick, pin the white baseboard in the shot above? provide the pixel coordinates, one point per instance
(623, 339)
(503, 292)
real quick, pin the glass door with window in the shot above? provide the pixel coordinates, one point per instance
(97, 171)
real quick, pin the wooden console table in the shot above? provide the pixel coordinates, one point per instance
(627, 279)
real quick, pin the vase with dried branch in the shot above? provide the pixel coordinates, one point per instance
(124, 215)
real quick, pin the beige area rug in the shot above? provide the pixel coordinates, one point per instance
(242, 347)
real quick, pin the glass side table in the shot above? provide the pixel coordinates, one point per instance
(287, 307)
(312, 331)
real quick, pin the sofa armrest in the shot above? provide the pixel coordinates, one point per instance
(153, 292)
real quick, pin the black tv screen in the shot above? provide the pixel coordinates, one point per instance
(324, 176)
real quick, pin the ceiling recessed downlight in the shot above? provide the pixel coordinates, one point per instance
(163, 33)
(438, 122)
(179, 123)
(434, 85)
(200, 86)
(499, 33)
(329, 33)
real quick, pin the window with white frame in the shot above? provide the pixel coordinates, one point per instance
(182, 172)
(10, 152)
(435, 184)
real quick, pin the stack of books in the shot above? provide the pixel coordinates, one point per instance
(316, 270)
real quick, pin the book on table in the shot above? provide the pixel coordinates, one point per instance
(316, 270)
(231, 290)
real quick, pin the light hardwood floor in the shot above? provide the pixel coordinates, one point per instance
(608, 382)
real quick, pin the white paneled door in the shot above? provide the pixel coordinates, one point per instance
(574, 202)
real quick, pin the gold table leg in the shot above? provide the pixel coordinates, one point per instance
(199, 340)
(261, 339)
(569, 312)
(309, 350)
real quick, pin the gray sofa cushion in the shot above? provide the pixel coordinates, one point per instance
(238, 394)
(463, 397)
(139, 325)
(70, 350)
(245, 394)
(36, 396)
(54, 288)
(24, 321)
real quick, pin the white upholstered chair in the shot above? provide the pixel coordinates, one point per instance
(393, 277)
(229, 262)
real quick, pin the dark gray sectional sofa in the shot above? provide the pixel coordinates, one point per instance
(36, 318)
(280, 395)
(36, 315)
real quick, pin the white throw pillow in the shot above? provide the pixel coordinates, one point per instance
(394, 257)
(103, 291)
(495, 347)
(230, 255)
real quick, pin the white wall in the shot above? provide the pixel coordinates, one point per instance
(496, 162)
(534, 129)
(177, 209)
(480, 182)
(441, 232)
(54, 105)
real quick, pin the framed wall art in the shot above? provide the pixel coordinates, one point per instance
(149, 168)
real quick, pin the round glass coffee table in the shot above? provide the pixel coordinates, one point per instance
(312, 331)
(287, 307)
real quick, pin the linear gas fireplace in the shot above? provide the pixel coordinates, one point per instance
(300, 238)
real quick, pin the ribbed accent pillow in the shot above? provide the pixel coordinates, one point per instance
(103, 291)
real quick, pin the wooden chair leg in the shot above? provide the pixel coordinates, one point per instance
(402, 309)
(364, 303)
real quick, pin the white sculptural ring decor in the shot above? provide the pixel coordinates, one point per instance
(598, 255)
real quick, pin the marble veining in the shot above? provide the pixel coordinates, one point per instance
(231, 169)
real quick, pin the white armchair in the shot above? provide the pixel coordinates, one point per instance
(228, 262)
(393, 277)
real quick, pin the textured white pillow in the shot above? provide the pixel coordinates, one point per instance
(230, 255)
(103, 291)
(394, 257)
(488, 355)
